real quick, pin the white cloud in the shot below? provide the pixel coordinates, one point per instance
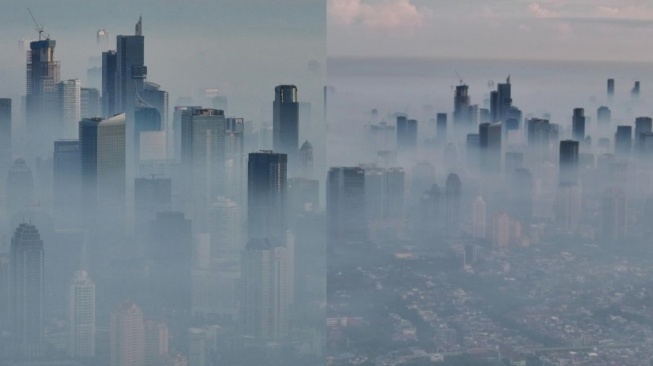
(389, 14)
(541, 12)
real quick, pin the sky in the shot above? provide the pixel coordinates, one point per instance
(244, 48)
(598, 30)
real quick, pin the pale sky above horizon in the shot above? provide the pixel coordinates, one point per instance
(601, 30)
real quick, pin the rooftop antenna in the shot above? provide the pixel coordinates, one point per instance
(38, 27)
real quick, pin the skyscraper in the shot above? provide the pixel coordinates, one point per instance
(5, 134)
(109, 74)
(610, 88)
(69, 107)
(346, 215)
(267, 195)
(462, 103)
(501, 101)
(43, 74)
(406, 134)
(81, 316)
(578, 124)
(90, 104)
(441, 127)
(285, 124)
(127, 336)
(267, 289)
(603, 116)
(111, 164)
(27, 290)
(226, 225)
(568, 161)
(623, 140)
(306, 160)
(155, 335)
(67, 183)
(235, 160)
(131, 71)
(642, 125)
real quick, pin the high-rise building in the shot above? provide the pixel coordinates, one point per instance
(27, 290)
(5, 134)
(226, 228)
(20, 187)
(285, 124)
(623, 140)
(156, 336)
(406, 133)
(479, 220)
(634, 92)
(306, 160)
(490, 146)
(578, 124)
(453, 197)
(131, 71)
(569, 161)
(43, 75)
(203, 155)
(642, 125)
(603, 116)
(538, 132)
(146, 119)
(175, 139)
(127, 335)
(500, 101)
(613, 215)
(90, 104)
(81, 316)
(346, 214)
(69, 107)
(111, 164)
(109, 74)
(441, 127)
(67, 183)
(267, 289)
(610, 88)
(462, 104)
(267, 189)
(235, 160)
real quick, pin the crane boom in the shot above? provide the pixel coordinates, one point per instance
(39, 28)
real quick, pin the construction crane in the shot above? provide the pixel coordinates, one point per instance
(39, 28)
(459, 77)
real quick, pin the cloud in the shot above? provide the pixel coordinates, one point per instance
(389, 14)
(541, 12)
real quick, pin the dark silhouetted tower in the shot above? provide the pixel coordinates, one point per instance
(346, 217)
(578, 124)
(623, 140)
(441, 127)
(610, 88)
(267, 189)
(462, 103)
(406, 133)
(569, 161)
(27, 290)
(67, 183)
(109, 74)
(603, 116)
(5, 134)
(285, 124)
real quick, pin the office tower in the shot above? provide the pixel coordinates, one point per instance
(578, 124)
(406, 134)
(484, 115)
(127, 336)
(568, 206)
(267, 195)
(538, 132)
(90, 104)
(646, 144)
(20, 187)
(613, 215)
(102, 147)
(479, 221)
(441, 127)
(603, 116)
(346, 215)
(226, 228)
(266, 290)
(634, 92)
(568, 161)
(513, 119)
(43, 74)
(67, 183)
(285, 124)
(642, 125)
(131, 71)
(235, 159)
(153, 96)
(175, 139)
(623, 140)
(27, 290)
(69, 107)
(155, 346)
(462, 103)
(109, 74)
(453, 196)
(306, 160)
(152, 195)
(170, 249)
(203, 153)
(494, 147)
(81, 316)
(146, 119)
(5, 134)
(500, 101)
(610, 88)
